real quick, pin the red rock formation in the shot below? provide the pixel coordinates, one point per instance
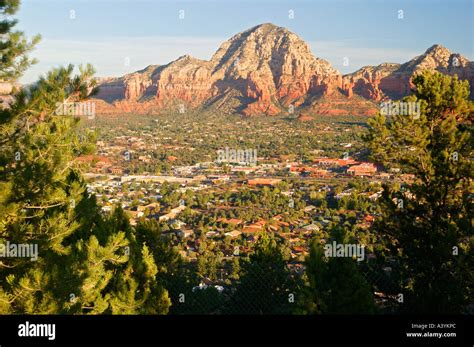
(136, 86)
(394, 80)
(264, 71)
(274, 62)
(186, 79)
(338, 104)
(368, 81)
(304, 117)
(268, 66)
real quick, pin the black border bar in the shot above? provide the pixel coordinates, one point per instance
(288, 330)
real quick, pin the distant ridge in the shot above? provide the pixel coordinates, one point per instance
(268, 70)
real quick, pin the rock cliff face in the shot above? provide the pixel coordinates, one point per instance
(268, 70)
(394, 80)
(130, 87)
(187, 79)
(370, 81)
(272, 68)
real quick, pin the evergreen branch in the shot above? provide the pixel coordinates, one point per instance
(44, 207)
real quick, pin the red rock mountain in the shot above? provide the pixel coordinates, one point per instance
(267, 70)
(393, 80)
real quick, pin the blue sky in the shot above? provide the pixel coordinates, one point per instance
(121, 36)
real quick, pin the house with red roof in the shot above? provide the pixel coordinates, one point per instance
(364, 169)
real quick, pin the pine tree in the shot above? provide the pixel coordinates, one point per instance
(334, 285)
(427, 223)
(173, 273)
(40, 188)
(13, 44)
(85, 263)
(266, 284)
(118, 273)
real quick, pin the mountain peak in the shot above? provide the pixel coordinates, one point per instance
(266, 27)
(436, 57)
(276, 65)
(437, 49)
(265, 70)
(265, 32)
(265, 42)
(185, 57)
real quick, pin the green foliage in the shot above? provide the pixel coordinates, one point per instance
(427, 223)
(85, 263)
(40, 193)
(266, 284)
(14, 47)
(335, 285)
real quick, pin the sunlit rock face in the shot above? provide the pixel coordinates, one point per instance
(268, 70)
